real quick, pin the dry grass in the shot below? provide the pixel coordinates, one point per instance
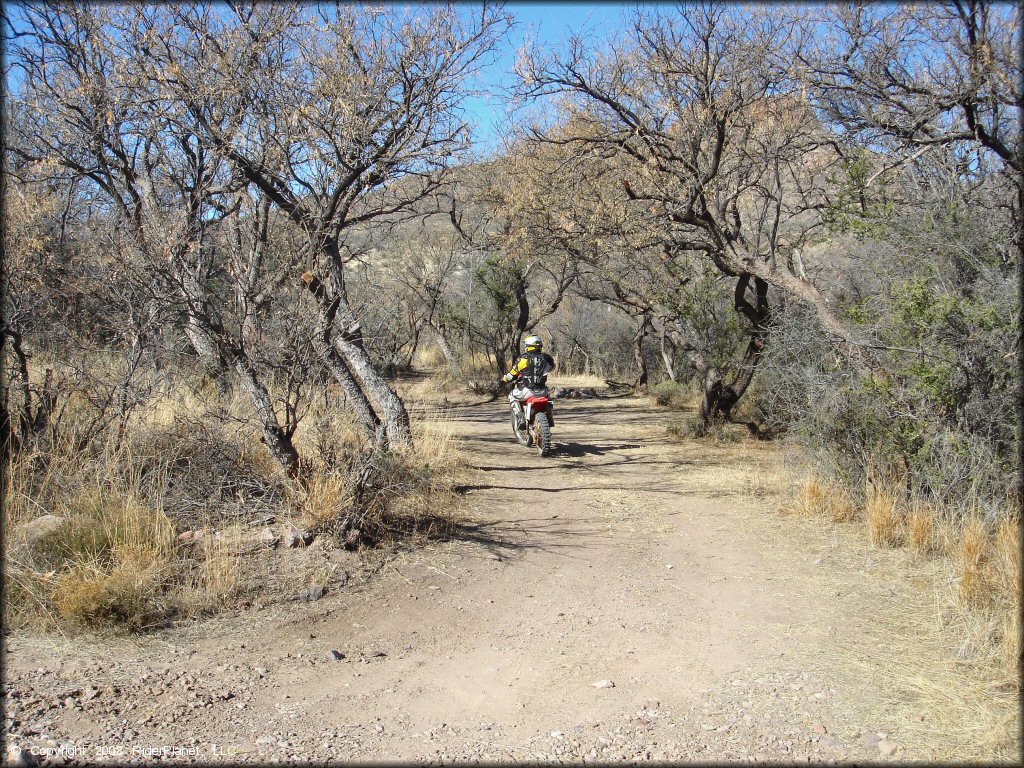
(885, 523)
(1003, 577)
(975, 715)
(957, 671)
(840, 506)
(768, 482)
(106, 558)
(429, 357)
(811, 499)
(406, 492)
(829, 500)
(971, 553)
(921, 534)
(112, 558)
(214, 574)
(670, 394)
(576, 381)
(435, 441)
(1004, 567)
(327, 498)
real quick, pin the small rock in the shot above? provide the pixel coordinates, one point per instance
(186, 537)
(870, 740)
(603, 684)
(337, 655)
(268, 539)
(311, 594)
(819, 728)
(295, 537)
(40, 528)
(887, 748)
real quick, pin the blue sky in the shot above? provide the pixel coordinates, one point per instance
(544, 24)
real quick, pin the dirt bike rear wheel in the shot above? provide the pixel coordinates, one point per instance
(523, 436)
(543, 434)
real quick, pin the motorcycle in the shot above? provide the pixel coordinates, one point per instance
(532, 419)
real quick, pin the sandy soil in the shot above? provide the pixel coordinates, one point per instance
(625, 599)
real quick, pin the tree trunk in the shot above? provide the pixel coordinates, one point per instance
(353, 395)
(211, 358)
(335, 356)
(348, 343)
(758, 314)
(442, 343)
(829, 321)
(274, 437)
(387, 404)
(638, 351)
(500, 361)
(710, 410)
(666, 357)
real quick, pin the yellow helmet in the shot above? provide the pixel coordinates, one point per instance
(534, 344)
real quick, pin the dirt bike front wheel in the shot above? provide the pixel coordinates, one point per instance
(542, 428)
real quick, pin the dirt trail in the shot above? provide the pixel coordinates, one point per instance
(620, 559)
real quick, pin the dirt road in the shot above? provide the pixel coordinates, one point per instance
(625, 599)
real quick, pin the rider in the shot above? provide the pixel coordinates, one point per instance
(530, 371)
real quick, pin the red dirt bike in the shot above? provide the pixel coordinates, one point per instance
(532, 419)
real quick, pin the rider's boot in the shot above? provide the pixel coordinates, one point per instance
(520, 416)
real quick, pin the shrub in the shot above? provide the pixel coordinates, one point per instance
(671, 394)
(108, 557)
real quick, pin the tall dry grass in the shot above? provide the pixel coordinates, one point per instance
(968, 679)
(819, 497)
(921, 528)
(883, 516)
(105, 551)
(982, 557)
(189, 459)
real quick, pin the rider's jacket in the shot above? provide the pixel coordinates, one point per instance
(532, 368)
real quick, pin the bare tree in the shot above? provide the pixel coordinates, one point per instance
(527, 268)
(914, 78)
(698, 105)
(341, 116)
(92, 115)
(922, 75)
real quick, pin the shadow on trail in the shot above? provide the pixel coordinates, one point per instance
(513, 537)
(578, 450)
(462, 490)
